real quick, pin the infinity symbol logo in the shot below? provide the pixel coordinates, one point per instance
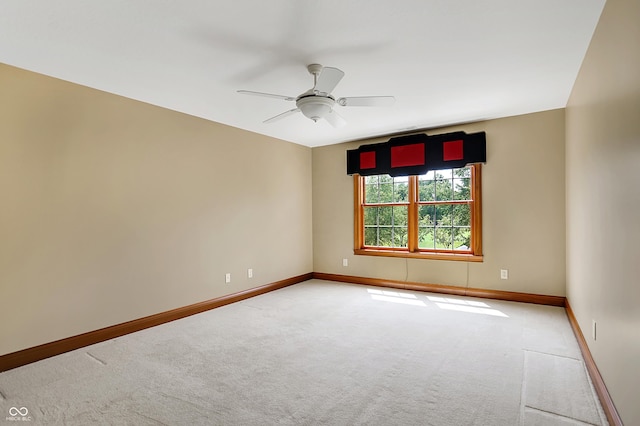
(22, 411)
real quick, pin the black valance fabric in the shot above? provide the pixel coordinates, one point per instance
(417, 154)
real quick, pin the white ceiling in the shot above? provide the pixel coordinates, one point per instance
(445, 61)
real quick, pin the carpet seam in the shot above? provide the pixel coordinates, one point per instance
(594, 396)
(559, 356)
(95, 358)
(150, 418)
(523, 391)
(560, 415)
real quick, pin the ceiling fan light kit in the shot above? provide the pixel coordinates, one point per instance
(315, 107)
(317, 103)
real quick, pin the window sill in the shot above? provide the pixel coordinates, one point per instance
(421, 255)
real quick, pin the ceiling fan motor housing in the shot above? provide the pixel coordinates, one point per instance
(315, 107)
(317, 103)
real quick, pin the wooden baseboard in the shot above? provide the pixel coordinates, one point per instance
(37, 353)
(512, 296)
(598, 383)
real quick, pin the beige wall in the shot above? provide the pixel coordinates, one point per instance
(112, 209)
(523, 213)
(603, 201)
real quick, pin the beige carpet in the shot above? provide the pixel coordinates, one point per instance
(322, 353)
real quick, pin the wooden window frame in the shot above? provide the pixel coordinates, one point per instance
(413, 251)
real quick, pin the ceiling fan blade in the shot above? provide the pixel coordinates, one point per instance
(335, 119)
(367, 101)
(267, 95)
(281, 116)
(328, 79)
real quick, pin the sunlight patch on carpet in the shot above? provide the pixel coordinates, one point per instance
(395, 297)
(470, 306)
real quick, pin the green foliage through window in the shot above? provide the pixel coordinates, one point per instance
(443, 210)
(441, 225)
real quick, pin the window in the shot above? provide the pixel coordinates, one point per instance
(436, 215)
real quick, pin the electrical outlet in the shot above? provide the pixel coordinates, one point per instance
(227, 278)
(504, 274)
(249, 273)
(345, 262)
(593, 329)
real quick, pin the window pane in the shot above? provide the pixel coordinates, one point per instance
(371, 216)
(426, 238)
(461, 215)
(400, 236)
(385, 237)
(427, 187)
(370, 236)
(461, 189)
(426, 190)
(444, 238)
(400, 215)
(462, 238)
(464, 172)
(426, 215)
(385, 192)
(371, 189)
(371, 193)
(443, 215)
(444, 190)
(401, 189)
(386, 226)
(385, 216)
(385, 189)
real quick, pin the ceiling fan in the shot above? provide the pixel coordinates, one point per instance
(318, 102)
